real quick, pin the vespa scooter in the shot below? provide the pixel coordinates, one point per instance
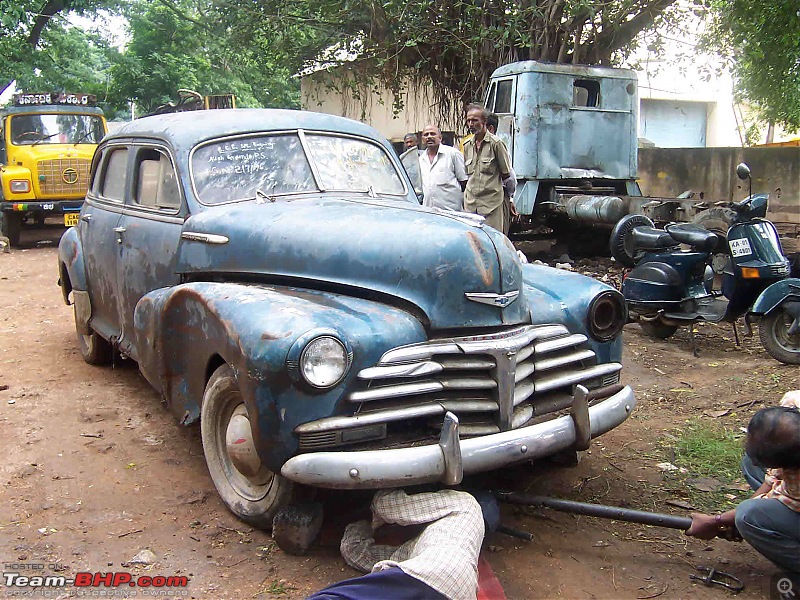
(670, 286)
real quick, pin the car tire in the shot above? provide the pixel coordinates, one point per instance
(655, 329)
(774, 333)
(621, 242)
(94, 349)
(251, 491)
(11, 226)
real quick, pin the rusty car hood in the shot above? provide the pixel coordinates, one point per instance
(390, 251)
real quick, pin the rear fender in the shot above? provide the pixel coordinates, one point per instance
(71, 267)
(779, 292)
(183, 332)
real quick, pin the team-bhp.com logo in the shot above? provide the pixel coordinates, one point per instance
(18, 584)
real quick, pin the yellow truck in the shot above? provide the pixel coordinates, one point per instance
(48, 141)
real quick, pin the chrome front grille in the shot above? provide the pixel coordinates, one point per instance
(492, 382)
(67, 177)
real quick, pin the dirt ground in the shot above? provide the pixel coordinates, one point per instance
(95, 470)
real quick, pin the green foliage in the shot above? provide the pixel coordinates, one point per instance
(184, 45)
(763, 41)
(455, 44)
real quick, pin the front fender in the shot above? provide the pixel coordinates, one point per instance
(560, 296)
(71, 264)
(775, 295)
(183, 332)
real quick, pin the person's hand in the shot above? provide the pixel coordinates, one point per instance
(514, 212)
(704, 527)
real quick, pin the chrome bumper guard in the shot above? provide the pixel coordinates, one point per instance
(452, 458)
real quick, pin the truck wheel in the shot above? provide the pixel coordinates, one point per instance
(621, 241)
(774, 333)
(655, 329)
(94, 349)
(11, 226)
(250, 490)
(717, 220)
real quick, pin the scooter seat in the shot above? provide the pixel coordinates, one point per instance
(650, 238)
(694, 235)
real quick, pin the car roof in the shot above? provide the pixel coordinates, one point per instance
(187, 129)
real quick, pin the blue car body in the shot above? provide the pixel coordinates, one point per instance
(436, 319)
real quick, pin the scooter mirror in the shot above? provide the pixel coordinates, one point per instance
(742, 171)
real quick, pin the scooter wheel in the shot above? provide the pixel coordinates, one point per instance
(657, 330)
(774, 333)
(621, 241)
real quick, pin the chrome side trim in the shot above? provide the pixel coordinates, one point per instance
(424, 464)
(205, 238)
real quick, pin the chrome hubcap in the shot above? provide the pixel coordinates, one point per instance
(239, 443)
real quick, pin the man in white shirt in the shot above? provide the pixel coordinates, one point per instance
(444, 175)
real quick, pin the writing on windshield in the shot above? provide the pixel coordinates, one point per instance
(271, 165)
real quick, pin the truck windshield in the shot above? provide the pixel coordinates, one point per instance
(27, 130)
(271, 165)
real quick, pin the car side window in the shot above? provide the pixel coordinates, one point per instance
(156, 181)
(113, 184)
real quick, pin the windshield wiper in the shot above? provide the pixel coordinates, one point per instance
(39, 141)
(83, 137)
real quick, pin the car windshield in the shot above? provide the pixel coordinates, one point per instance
(243, 168)
(29, 130)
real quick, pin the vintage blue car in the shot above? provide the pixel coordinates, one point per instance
(274, 276)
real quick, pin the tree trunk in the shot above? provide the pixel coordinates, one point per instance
(51, 8)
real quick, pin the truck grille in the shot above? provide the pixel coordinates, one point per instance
(493, 383)
(65, 177)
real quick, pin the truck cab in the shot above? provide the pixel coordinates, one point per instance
(571, 131)
(46, 149)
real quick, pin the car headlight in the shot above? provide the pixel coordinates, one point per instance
(607, 315)
(20, 186)
(324, 362)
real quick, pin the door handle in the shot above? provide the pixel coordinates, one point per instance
(86, 218)
(119, 231)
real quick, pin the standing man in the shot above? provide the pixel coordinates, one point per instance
(410, 162)
(488, 164)
(442, 169)
(510, 184)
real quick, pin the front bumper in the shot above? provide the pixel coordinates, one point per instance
(452, 458)
(43, 206)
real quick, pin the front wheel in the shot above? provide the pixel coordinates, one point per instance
(658, 330)
(778, 342)
(250, 490)
(11, 226)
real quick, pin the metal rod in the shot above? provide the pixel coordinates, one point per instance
(598, 510)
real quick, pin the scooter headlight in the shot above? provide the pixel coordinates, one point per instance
(607, 315)
(324, 362)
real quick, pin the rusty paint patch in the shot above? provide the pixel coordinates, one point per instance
(275, 336)
(481, 260)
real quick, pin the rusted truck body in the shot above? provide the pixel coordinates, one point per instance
(572, 134)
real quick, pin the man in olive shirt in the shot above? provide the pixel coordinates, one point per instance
(488, 164)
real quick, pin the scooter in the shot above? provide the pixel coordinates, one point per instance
(671, 283)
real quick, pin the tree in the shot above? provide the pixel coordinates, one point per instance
(24, 25)
(184, 44)
(762, 39)
(454, 44)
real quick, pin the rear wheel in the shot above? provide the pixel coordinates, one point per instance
(11, 226)
(94, 349)
(621, 241)
(250, 490)
(778, 342)
(717, 220)
(656, 329)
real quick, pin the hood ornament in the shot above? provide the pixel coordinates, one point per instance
(501, 300)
